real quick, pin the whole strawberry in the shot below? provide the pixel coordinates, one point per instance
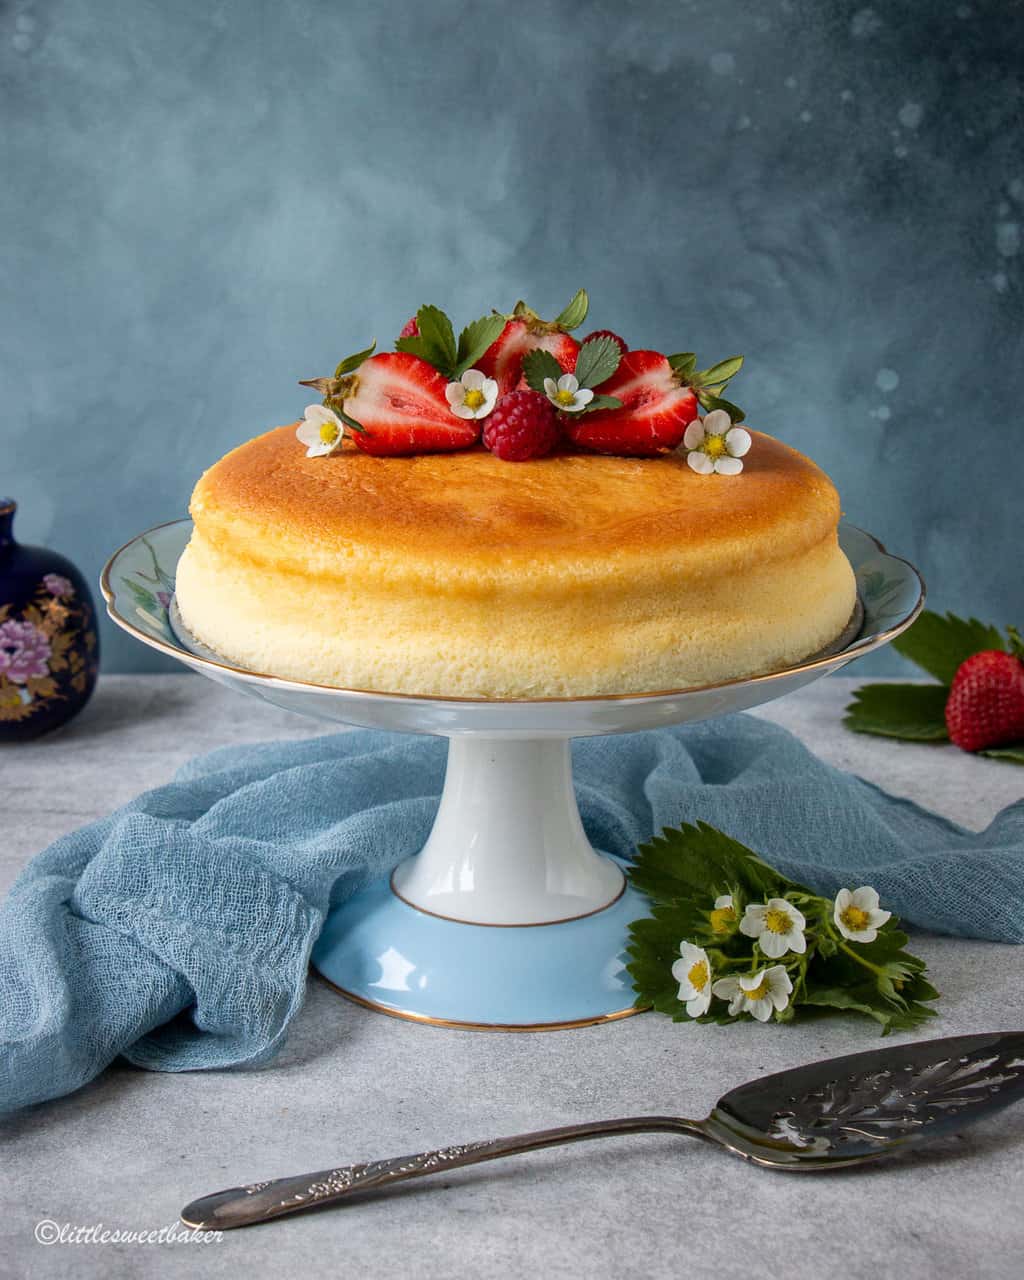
(985, 707)
(522, 425)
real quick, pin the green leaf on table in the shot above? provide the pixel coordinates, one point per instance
(539, 364)
(596, 361)
(866, 998)
(653, 948)
(684, 871)
(701, 861)
(878, 978)
(475, 339)
(916, 712)
(939, 644)
(572, 316)
(1013, 754)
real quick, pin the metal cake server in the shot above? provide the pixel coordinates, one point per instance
(842, 1111)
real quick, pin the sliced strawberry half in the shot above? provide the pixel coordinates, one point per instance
(656, 410)
(503, 359)
(399, 400)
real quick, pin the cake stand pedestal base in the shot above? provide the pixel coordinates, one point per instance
(381, 952)
(507, 918)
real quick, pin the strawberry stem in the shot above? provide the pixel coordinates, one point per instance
(1016, 643)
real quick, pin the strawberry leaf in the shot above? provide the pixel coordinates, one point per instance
(348, 420)
(438, 340)
(603, 402)
(710, 402)
(703, 861)
(915, 712)
(865, 997)
(539, 364)
(596, 361)
(683, 364)
(417, 346)
(475, 339)
(1013, 754)
(351, 363)
(718, 373)
(575, 313)
(940, 644)
(683, 871)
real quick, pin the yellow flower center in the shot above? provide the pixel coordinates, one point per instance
(328, 432)
(722, 919)
(473, 398)
(777, 921)
(855, 919)
(714, 446)
(698, 975)
(759, 992)
(565, 397)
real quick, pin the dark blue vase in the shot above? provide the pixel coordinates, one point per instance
(49, 649)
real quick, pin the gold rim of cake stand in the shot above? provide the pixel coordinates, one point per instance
(487, 924)
(454, 1025)
(812, 664)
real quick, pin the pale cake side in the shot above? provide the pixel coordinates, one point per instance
(459, 574)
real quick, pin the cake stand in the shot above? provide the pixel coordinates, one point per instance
(507, 918)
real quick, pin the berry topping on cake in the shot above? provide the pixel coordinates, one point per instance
(604, 396)
(655, 411)
(523, 425)
(400, 402)
(607, 333)
(525, 331)
(985, 707)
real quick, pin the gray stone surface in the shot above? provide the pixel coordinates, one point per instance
(132, 1148)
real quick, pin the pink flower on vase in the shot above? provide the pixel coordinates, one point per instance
(24, 651)
(59, 586)
(165, 598)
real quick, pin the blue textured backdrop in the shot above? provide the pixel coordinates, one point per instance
(202, 202)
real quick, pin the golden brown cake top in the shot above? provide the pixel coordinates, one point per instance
(468, 505)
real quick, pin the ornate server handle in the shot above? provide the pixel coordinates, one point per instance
(243, 1206)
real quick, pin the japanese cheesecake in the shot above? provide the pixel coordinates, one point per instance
(461, 574)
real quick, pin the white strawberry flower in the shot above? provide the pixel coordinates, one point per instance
(777, 925)
(756, 993)
(321, 431)
(715, 445)
(723, 915)
(472, 396)
(693, 973)
(857, 915)
(567, 394)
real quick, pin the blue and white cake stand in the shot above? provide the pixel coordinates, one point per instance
(507, 918)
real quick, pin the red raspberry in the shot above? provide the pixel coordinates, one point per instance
(607, 333)
(521, 425)
(410, 329)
